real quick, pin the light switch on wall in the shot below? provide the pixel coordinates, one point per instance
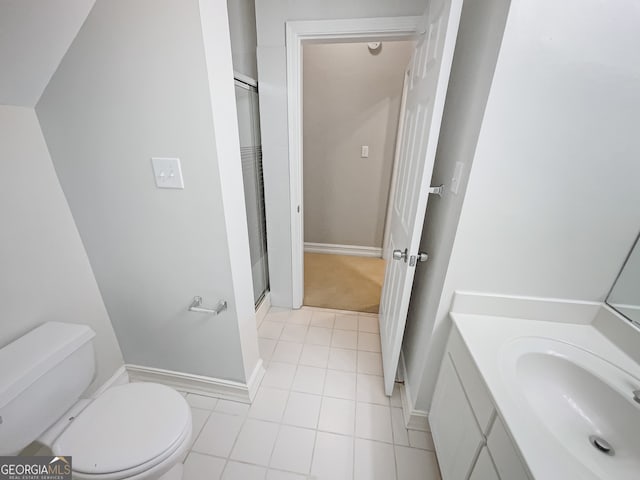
(167, 172)
(364, 151)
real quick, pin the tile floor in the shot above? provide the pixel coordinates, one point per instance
(320, 412)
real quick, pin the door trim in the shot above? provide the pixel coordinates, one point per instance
(357, 29)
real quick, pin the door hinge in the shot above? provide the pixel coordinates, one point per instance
(439, 190)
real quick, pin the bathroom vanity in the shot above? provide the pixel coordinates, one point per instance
(536, 398)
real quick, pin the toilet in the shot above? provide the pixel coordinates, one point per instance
(136, 431)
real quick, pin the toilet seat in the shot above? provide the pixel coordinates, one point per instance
(127, 431)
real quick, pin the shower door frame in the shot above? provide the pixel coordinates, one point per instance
(250, 84)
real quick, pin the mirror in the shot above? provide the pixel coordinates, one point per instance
(625, 294)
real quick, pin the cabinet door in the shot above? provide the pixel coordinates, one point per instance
(504, 453)
(484, 469)
(455, 432)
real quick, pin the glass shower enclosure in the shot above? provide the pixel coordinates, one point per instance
(251, 155)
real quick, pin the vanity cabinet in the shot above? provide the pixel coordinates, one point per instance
(504, 453)
(471, 441)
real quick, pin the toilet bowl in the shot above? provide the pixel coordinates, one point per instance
(135, 431)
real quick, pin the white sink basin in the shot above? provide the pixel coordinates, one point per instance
(576, 395)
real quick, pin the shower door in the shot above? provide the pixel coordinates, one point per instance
(251, 154)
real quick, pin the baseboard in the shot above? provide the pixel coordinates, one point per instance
(353, 250)
(255, 379)
(413, 419)
(263, 308)
(198, 384)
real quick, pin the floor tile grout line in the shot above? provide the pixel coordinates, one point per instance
(355, 424)
(311, 429)
(291, 389)
(315, 444)
(315, 437)
(354, 437)
(393, 438)
(201, 428)
(357, 437)
(195, 439)
(235, 441)
(244, 462)
(282, 419)
(305, 342)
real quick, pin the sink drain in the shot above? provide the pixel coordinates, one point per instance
(601, 444)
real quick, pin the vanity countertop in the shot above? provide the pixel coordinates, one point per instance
(491, 340)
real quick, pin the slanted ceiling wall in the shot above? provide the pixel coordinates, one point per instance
(141, 81)
(45, 274)
(34, 36)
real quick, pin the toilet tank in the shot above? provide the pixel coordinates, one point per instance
(42, 375)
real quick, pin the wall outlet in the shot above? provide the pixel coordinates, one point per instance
(364, 151)
(167, 172)
(457, 176)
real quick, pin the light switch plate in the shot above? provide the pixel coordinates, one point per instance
(364, 151)
(167, 172)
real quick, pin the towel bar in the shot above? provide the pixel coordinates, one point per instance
(196, 306)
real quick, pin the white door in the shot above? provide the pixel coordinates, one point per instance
(428, 78)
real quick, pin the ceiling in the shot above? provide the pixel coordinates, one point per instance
(34, 36)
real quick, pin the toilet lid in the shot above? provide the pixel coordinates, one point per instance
(125, 427)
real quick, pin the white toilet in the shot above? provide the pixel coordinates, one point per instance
(137, 431)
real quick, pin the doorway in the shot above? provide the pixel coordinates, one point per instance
(423, 105)
(351, 101)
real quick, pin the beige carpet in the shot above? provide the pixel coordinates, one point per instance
(343, 282)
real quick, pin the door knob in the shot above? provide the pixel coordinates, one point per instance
(400, 255)
(423, 256)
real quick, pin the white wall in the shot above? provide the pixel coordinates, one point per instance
(46, 274)
(551, 205)
(351, 98)
(242, 25)
(271, 16)
(34, 36)
(136, 83)
(477, 46)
